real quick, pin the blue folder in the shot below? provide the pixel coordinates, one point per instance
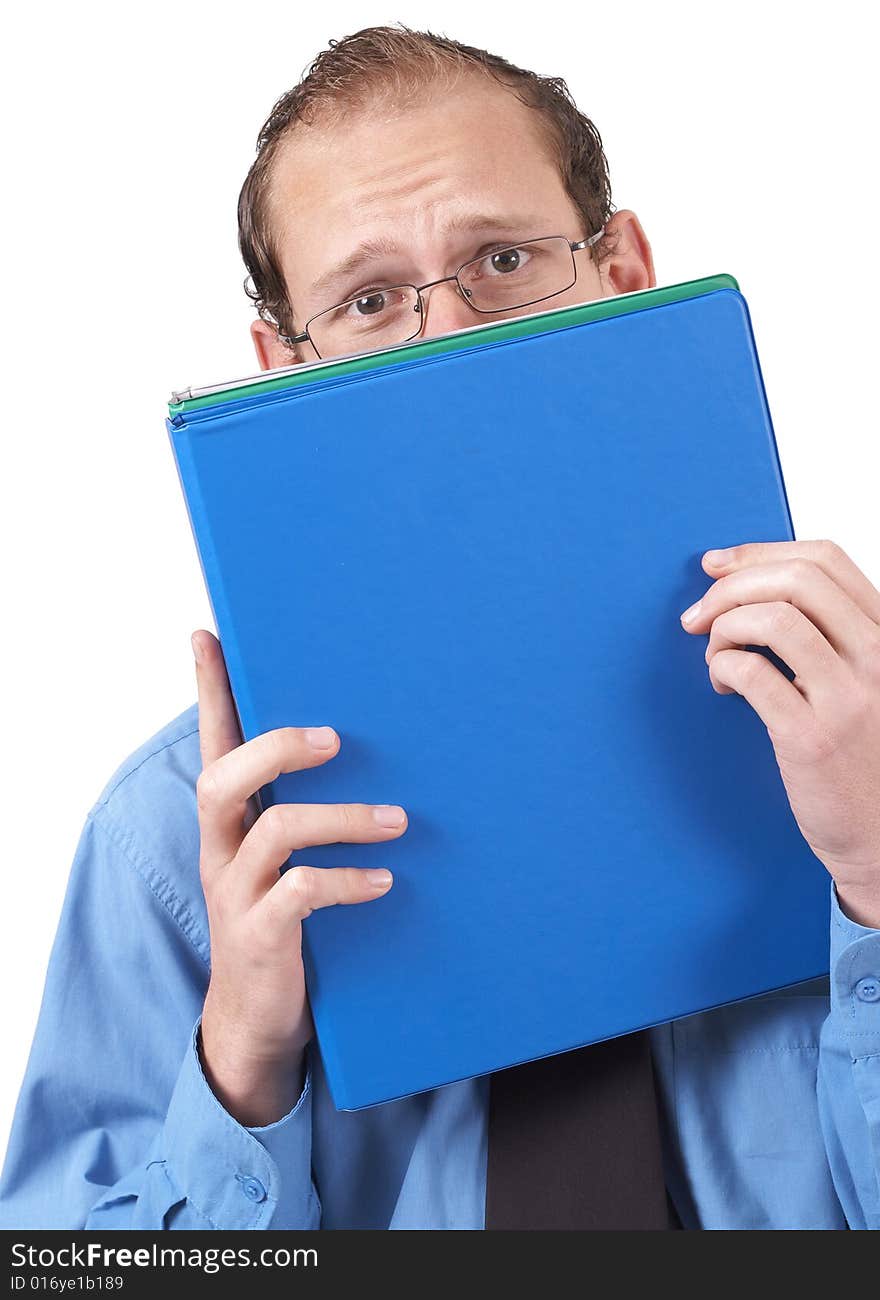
(470, 558)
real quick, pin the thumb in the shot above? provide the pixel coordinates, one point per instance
(219, 731)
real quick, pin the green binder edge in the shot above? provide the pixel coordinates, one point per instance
(518, 327)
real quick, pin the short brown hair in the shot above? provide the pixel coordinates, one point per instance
(393, 61)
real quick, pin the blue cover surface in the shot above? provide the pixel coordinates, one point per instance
(473, 568)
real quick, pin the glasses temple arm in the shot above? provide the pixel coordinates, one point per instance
(587, 243)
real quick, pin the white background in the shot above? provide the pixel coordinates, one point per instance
(742, 135)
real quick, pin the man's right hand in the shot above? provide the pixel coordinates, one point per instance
(256, 1019)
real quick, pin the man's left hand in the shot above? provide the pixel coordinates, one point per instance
(810, 605)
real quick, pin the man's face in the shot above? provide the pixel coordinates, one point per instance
(418, 192)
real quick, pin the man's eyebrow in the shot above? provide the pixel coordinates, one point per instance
(519, 226)
(370, 250)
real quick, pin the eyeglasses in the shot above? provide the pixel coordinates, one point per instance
(502, 280)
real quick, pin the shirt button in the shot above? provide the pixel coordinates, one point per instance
(868, 989)
(252, 1188)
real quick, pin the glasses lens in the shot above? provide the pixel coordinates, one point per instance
(519, 275)
(377, 319)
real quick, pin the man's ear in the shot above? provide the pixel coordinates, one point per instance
(271, 352)
(629, 265)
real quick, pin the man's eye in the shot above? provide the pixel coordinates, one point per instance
(506, 261)
(370, 304)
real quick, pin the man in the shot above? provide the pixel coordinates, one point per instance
(172, 1081)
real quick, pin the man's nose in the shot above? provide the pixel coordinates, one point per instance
(444, 309)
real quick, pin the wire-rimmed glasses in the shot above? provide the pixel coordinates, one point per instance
(504, 279)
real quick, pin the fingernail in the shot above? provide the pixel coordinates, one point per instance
(389, 815)
(690, 614)
(379, 879)
(717, 559)
(321, 737)
(196, 648)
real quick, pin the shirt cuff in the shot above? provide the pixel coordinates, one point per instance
(233, 1176)
(855, 981)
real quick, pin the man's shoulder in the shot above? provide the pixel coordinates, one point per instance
(148, 809)
(170, 756)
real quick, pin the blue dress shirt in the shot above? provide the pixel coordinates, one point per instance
(771, 1107)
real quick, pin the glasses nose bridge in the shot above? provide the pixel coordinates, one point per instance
(421, 290)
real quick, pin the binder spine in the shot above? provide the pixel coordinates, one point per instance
(199, 521)
(759, 377)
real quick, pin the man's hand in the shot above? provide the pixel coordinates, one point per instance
(256, 1019)
(818, 613)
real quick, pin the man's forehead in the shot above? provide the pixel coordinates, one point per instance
(364, 164)
(380, 184)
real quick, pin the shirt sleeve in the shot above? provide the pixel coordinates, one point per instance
(116, 1125)
(849, 1069)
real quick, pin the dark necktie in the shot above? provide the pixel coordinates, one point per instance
(574, 1142)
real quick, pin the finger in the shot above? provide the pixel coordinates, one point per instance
(777, 703)
(287, 827)
(224, 787)
(302, 890)
(219, 731)
(798, 582)
(219, 734)
(829, 557)
(789, 634)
